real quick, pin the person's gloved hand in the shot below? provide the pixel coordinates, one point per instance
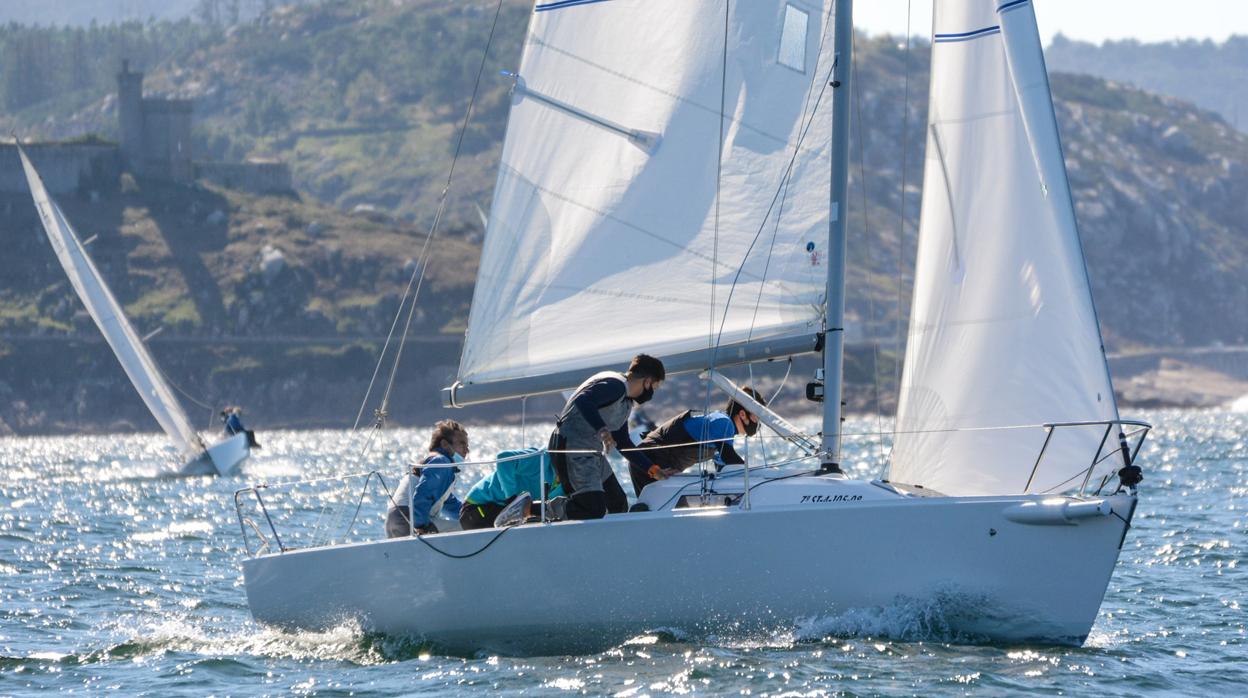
(426, 529)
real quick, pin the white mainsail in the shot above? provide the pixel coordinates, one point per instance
(1003, 331)
(605, 236)
(110, 318)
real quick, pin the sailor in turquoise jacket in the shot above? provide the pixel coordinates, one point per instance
(517, 472)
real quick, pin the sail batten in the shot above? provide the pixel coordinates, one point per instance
(110, 318)
(603, 238)
(1003, 328)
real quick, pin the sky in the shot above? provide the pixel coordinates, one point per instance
(1086, 20)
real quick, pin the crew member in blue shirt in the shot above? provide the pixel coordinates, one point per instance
(684, 442)
(413, 508)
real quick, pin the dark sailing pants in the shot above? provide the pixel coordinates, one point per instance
(475, 516)
(587, 503)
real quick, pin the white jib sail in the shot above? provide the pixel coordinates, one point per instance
(602, 233)
(1003, 331)
(110, 318)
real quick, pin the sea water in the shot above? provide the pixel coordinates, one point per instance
(115, 578)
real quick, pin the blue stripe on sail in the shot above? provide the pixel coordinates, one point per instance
(1011, 5)
(967, 36)
(564, 3)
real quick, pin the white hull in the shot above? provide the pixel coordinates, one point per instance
(221, 458)
(590, 585)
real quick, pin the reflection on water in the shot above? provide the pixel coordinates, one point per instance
(118, 579)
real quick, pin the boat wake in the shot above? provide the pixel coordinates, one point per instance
(947, 616)
(183, 635)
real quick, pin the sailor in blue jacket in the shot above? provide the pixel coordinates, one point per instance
(433, 479)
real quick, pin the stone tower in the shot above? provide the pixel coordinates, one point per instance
(130, 115)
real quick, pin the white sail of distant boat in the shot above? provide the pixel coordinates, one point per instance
(620, 224)
(1002, 329)
(122, 338)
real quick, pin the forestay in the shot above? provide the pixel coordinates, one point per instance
(1003, 331)
(109, 317)
(602, 239)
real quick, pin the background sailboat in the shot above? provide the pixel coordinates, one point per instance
(197, 457)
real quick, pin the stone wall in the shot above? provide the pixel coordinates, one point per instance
(64, 166)
(259, 176)
(167, 139)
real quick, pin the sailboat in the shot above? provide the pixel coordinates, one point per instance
(196, 455)
(674, 181)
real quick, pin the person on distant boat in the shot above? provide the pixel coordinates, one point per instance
(414, 506)
(233, 420)
(595, 419)
(517, 473)
(232, 417)
(682, 442)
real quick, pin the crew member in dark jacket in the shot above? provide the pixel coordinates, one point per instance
(682, 442)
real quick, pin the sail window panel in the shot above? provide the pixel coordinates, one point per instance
(793, 35)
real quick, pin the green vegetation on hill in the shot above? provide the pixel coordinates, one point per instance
(53, 71)
(362, 97)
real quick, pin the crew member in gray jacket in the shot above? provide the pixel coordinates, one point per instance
(595, 419)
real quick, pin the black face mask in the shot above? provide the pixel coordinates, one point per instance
(646, 394)
(751, 427)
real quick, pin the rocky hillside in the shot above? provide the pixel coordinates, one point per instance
(277, 303)
(1155, 182)
(1208, 74)
(209, 262)
(363, 99)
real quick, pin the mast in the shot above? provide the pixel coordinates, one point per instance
(834, 298)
